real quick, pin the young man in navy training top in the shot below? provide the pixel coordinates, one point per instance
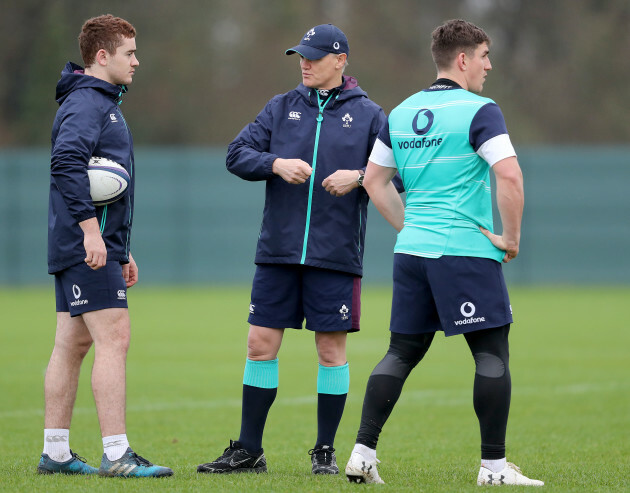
(443, 141)
(88, 252)
(311, 147)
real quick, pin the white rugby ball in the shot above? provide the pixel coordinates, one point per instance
(108, 180)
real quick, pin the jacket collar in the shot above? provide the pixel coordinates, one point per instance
(73, 77)
(349, 90)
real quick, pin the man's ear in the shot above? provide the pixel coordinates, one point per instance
(101, 57)
(341, 60)
(462, 61)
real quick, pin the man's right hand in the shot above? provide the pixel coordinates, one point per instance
(95, 250)
(294, 171)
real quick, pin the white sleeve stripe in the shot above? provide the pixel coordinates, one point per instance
(496, 149)
(382, 155)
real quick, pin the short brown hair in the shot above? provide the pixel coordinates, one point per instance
(103, 32)
(453, 37)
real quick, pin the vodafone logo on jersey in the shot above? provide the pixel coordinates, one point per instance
(424, 117)
(421, 124)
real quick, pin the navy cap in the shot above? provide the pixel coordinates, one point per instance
(320, 41)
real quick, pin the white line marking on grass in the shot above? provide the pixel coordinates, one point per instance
(436, 397)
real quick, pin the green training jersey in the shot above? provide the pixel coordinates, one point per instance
(435, 135)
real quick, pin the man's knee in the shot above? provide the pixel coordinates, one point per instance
(404, 353)
(74, 347)
(263, 343)
(331, 348)
(72, 337)
(489, 365)
(257, 350)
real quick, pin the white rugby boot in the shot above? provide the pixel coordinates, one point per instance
(362, 470)
(510, 474)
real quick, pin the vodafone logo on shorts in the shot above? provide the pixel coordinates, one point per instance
(76, 291)
(468, 310)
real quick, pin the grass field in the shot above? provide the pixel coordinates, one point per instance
(569, 423)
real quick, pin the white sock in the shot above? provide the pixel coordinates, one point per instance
(115, 446)
(367, 452)
(494, 465)
(57, 444)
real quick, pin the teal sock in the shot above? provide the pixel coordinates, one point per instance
(333, 379)
(333, 383)
(263, 374)
(260, 386)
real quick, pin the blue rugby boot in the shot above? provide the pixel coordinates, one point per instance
(74, 465)
(131, 465)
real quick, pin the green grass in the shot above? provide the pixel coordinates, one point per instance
(569, 423)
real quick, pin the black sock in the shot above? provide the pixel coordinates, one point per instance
(492, 388)
(380, 397)
(491, 400)
(329, 412)
(256, 404)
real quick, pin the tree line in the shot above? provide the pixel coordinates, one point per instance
(208, 67)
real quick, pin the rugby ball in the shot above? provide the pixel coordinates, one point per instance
(108, 180)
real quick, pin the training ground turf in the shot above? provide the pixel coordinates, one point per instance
(569, 423)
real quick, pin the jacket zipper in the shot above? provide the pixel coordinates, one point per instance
(360, 225)
(103, 218)
(320, 119)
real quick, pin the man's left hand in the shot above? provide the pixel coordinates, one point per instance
(341, 182)
(130, 272)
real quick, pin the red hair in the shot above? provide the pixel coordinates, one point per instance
(104, 32)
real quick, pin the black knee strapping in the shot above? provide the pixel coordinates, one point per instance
(489, 365)
(404, 353)
(490, 349)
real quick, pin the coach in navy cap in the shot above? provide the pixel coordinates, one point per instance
(321, 40)
(310, 146)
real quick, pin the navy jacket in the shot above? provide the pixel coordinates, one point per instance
(88, 123)
(304, 224)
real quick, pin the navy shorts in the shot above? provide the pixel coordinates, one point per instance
(453, 294)
(79, 289)
(284, 295)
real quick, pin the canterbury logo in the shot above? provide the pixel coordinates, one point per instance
(56, 438)
(123, 469)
